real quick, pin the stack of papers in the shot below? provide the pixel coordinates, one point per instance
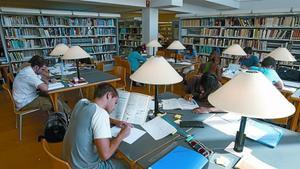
(57, 85)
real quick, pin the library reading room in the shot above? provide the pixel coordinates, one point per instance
(149, 84)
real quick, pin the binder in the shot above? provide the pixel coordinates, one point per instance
(179, 158)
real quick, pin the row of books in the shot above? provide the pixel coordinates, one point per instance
(296, 34)
(130, 37)
(100, 40)
(22, 43)
(95, 49)
(130, 31)
(243, 21)
(130, 43)
(104, 57)
(26, 55)
(56, 21)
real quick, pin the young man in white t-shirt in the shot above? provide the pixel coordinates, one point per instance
(28, 82)
(88, 142)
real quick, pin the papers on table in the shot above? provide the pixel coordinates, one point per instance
(57, 85)
(251, 162)
(158, 128)
(179, 103)
(184, 63)
(296, 94)
(245, 151)
(134, 135)
(291, 84)
(261, 132)
(56, 69)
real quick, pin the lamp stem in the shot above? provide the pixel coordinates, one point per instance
(156, 110)
(77, 66)
(240, 136)
(153, 51)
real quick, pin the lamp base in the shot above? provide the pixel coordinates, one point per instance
(239, 142)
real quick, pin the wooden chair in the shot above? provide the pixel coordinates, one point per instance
(56, 162)
(20, 113)
(100, 66)
(160, 53)
(120, 71)
(10, 79)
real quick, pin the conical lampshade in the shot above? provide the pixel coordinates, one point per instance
(75, 52)
(235, 49)
(176, 45)
(153, 44)
(156, 71)
(251, 94)
(282, 54)
(59, 50)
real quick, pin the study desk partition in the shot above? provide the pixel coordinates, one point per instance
(284, 156)
(93, 77)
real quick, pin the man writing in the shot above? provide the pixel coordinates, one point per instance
(88, 142)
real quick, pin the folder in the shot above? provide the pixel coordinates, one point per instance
(179, 158)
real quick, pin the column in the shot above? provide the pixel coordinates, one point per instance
(149, 26)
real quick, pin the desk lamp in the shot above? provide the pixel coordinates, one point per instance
(59, 51)
(154, 44)
(176, 45)
(250, 94)
(75, 53)
(282, 54)
(156, 71)
(235, 50)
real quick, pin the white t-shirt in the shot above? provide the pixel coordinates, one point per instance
(25, 87)
(101, 124)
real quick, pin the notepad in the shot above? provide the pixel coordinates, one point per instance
(180, 158)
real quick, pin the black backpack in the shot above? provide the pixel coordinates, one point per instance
(56, 127)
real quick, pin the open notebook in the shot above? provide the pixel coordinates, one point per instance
(132, 107)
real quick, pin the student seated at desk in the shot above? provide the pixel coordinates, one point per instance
(199, 88)
(267, 68)
(213, 65)
(31, 78)
(135, 58)
(248, 60)
(88, 142)
(190, 53)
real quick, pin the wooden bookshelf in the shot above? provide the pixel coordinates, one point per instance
(130, 35)
(263, 33)
(28, 34)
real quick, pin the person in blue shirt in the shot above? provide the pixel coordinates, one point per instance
(267, 69)
(190, 53)
(135, 58)
(248, 60)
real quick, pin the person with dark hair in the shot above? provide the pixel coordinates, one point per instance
(190, 52)
(30, 79)
(267, 68)
(213, 65)
(248, 60)
(135, 58)
(88, 142)
(199, 88)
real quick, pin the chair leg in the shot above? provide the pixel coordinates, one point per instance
(80, 92)
(165, 88)
(20, 127)
(17, 120)
(130, 85)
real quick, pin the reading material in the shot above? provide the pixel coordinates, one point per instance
(251, 162)
(179, 158)
(179, 103)
(132, 107)
(134, 135)
(158, 128)
(57, 85)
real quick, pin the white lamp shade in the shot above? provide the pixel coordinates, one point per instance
(75, 52)
(282, 54)
(59, 50)
(251, 94)
(176, 45)
(156, 71)
(235, 49)
(153, 44)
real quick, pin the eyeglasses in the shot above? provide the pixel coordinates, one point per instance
(200, 148)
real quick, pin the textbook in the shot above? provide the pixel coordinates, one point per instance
(179, 103)
(179, 158)
(132, 107)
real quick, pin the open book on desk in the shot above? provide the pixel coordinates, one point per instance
(132, 107)
(56, 85)
(179, 103)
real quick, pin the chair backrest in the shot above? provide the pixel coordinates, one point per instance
(7, 90)
(126, 64)
(100, 66)
(57, 163)
(179, 57)
(118, 60)
(160, 53)
(120, 71)
(10, 79)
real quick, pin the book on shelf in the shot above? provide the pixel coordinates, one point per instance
(132, 107)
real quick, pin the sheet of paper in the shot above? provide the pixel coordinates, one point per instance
(179, 103)
(187, 105)
(118, 113)
(169, 104)
(57, 85)
(245, 151)
(251, 162)
(158, 128)
(291, 84)
(134, 135)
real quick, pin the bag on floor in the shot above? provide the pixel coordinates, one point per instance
(56, 127)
